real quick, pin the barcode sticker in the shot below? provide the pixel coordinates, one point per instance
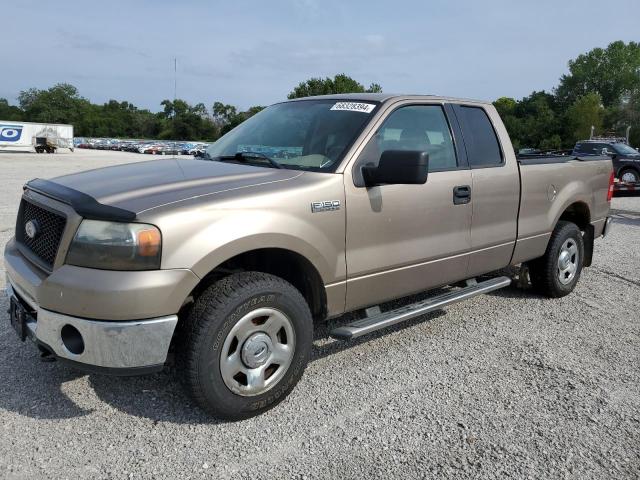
(354, 107)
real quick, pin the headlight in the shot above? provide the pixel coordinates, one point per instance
(116, 246)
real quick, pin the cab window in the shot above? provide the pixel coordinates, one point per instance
(421, 128)
(480, 139)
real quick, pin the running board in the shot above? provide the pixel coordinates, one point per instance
(383, 320)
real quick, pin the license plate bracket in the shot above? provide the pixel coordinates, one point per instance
(18, 318)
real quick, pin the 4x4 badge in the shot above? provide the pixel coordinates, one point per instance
(327, 205)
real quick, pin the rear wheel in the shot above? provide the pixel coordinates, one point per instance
(629, 175)
(557, 272)
(245, 344)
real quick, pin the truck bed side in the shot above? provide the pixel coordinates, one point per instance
(553, 186)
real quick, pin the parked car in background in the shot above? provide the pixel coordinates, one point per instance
(152, 147)
(626, 160)
(185, 148)
(529, 151)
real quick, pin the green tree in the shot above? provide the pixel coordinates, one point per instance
(341, 83)
(585, 112)
(554, 142)
(224, 113)
(227, 117)
(612, 72)
(10, 112)
(506, 107)
(181, 121)
(542, 118)
(59, 104)
(627, 113)
(533, 122)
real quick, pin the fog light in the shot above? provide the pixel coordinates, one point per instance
(72, 339)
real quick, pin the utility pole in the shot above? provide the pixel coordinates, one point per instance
(175, 91)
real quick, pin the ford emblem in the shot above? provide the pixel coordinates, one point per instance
(31, 229)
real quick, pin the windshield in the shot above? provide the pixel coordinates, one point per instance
(623, 149)
(307, 134)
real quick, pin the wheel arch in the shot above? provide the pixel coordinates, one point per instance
(625, 167)
(579, 214)
(287, 264)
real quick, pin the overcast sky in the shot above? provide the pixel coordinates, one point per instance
(254, 52)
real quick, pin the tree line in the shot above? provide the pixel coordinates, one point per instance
(177, 120)
(601, 89)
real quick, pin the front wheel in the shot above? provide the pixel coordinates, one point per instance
(556, 273)
(245, 344)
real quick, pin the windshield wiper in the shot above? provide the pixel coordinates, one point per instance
(245, 156)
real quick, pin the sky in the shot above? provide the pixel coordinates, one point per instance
(246, 52)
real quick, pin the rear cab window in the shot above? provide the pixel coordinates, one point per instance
(480, 139)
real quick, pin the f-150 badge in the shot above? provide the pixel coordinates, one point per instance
(325, 206)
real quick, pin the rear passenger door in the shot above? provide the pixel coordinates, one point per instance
(495, 187)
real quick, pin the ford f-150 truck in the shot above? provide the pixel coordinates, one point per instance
(310, 209)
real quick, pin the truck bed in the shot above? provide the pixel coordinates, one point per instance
(537, 159)
(550, 184)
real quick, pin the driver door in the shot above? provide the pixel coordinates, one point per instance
(402, 239)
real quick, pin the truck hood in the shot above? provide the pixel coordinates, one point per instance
(141, 186)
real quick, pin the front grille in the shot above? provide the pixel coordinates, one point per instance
(49, 230)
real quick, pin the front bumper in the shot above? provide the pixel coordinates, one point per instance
(100, 294)
(116, 347)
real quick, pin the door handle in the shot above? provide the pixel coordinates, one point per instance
(461, 194)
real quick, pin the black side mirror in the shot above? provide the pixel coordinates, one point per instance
(398, 167)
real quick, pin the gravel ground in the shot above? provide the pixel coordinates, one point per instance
(505, 385)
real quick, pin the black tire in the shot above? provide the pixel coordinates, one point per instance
(202, 336)
(629, 172)
(544, 271)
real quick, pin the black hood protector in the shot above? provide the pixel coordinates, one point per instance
(85, 205)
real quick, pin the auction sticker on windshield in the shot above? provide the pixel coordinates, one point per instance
(354, 107)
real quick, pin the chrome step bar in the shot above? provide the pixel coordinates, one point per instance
(383, 320)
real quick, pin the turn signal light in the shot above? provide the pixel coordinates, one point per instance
(148, 242)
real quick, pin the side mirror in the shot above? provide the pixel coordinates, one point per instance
(397, 167)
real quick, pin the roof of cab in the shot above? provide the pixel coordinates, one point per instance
(383, 97)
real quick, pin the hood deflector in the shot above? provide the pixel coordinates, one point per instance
(85, 205)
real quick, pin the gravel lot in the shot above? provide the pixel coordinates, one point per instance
(507, 384)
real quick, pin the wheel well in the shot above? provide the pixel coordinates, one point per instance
(288, 265)
(577, 213)
(624, 168)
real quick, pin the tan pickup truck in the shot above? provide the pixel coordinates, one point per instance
(310, 209)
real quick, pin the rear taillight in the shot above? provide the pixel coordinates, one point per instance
(610, 191)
